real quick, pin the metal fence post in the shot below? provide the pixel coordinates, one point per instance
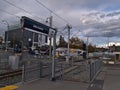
(94, 67)
(61, 71)
(40, 69)
(89, 63)
(23, 73)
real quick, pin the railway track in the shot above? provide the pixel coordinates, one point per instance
(16, 76)
(15, 73)
(11, 74)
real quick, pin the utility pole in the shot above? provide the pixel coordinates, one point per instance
(108, 44)
(50, 20)
(54, 54)
(54, 49)
(50, 39)
(68, 27)
(87, 47)
(7, 33)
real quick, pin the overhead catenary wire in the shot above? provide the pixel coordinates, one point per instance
(76, 33)
(20, 17)
(35, 15)
(51, 11)
(31, 13)
(9, 13)
(17, 17)
(22, 9)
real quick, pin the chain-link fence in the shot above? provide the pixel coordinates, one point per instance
(79, 71)
(31, 72)
(4, 61)
(32, 67)
(7, 74)
(75, 71)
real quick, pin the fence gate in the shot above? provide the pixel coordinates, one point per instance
(94, 69)
(31, 72)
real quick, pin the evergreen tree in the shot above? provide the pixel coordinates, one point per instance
(62, 42)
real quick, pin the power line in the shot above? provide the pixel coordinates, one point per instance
(21, 9)
(35, 15)
(51, 11)
(75, 33)
(29, 12)
(9, 13)
(20, 17)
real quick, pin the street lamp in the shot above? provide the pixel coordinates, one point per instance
(6, 33)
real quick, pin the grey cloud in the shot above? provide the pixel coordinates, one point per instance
(74, 4)
(71, 10)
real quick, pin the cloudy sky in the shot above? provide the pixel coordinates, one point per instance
(97, 19)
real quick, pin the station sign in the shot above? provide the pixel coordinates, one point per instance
(34, 25)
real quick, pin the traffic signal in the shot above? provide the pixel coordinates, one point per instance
(84, 46)
(84, 55)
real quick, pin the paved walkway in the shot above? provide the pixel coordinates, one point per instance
(112, 78)
(108, 79)
(98, 83)
(44, 84)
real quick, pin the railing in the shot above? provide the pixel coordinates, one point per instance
(94, 69)
(40, 67)
(73, 71)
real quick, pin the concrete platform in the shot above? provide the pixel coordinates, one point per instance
(44, 84)
(107, 79)
(112, 79)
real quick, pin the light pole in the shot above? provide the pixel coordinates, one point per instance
(6, 33)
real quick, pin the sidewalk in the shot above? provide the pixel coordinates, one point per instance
(45, 84)
(107, 79)
(98, 82)
(112, 78)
